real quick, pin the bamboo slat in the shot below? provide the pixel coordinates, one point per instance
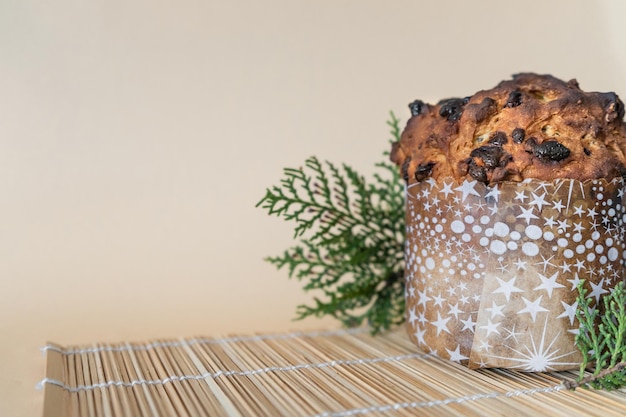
(331, 374)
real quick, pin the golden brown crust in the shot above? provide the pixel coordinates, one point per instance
(532, 126)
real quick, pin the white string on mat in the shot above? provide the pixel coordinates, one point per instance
(434, 403)
(346, 413)
(201, 341)
(217, 374)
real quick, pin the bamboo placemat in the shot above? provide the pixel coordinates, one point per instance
(335, 373)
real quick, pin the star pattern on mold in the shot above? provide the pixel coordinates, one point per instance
(411, 291)
(422, 298)
(511, 333)
(579, 211)
(565, 267)
(549, 221)
(545, 262)
(455, 355)
(496, 310)
(533, 307)
(469, 324)
(484, 345)
(539, 201)
(592, 213)
(549, 284)
(541, 355)
(446, 190)
(520, 265)
(507, 287)
(454, 310)
(578, 227)
(441, 324)
(520, 196)
(558, 205)
(597, 290)
(475, 273)
(491, 327)
(569, 311)
(412, 316)
(527, 214)
(468, 188)
(580, 264)
(438, 299)
(419, 335)
(563, 225)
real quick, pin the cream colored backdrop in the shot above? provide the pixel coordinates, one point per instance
(136, 138)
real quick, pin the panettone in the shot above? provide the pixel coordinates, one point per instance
(515, 196)
(533, 126)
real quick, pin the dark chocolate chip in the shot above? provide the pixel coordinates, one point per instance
(490, 155)
(423, 171)
(515, 99)
(498, 138)
(452, 108)
(477, 172)
(405, 169)
(518, 135)
(551, 150)
(587, 151)
(416, 107)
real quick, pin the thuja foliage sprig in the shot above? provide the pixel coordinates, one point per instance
(351, 239)
(602, 339)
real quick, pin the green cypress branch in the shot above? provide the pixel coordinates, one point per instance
(602, 340)
(351, 239)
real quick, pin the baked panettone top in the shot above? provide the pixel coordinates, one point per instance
(533, 126)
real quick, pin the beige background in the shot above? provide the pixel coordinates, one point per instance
(137, 136)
